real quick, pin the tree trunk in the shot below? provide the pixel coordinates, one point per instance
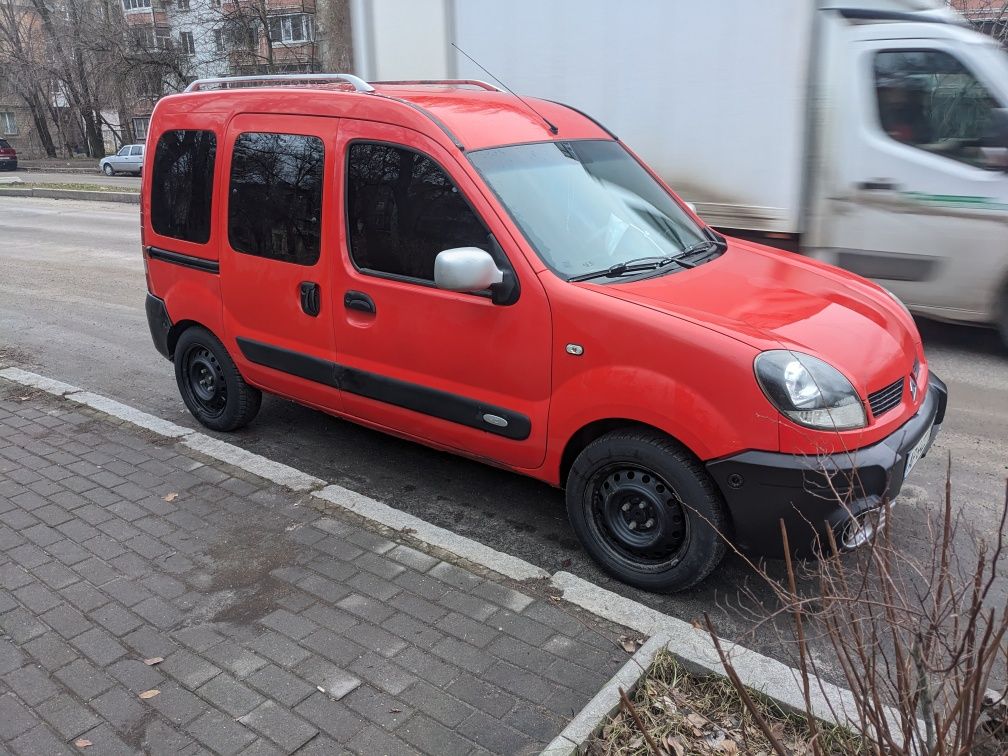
(41, 125)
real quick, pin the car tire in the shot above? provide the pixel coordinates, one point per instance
(646, 511)
(210, 384)
(108, 170)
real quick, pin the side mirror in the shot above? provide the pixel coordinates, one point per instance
(466, 269)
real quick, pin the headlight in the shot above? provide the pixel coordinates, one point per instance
(809, 391)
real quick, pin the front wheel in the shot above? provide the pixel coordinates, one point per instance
(647, 511)
(210, 384)
(108, 170)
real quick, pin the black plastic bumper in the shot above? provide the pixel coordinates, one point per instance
(159, 322)
(815, 493)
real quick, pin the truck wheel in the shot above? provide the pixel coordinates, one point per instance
(210, 384)
(1002, 318)
(646, 511)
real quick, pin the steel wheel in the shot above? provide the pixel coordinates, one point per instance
(205, 381)
(638, 516)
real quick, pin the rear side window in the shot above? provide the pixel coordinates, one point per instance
(402, 209)
(4, 144)
(275, 204)
(182, 185)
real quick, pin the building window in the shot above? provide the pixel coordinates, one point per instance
(218, 40)
(275, 202)
(402, 210)
(186, 43)
(183, 5)
(8, 125)
(298, 27)
(153, 38)
(136, 4)
(215, 3)
(182, 190)
(140, 125)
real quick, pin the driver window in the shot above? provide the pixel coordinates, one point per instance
(123, 152)
(402, 210)
(929, 100)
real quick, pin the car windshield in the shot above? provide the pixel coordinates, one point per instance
(586, 205)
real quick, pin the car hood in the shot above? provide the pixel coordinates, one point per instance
(772, 300)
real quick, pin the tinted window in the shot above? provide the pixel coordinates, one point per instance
(182, 185)
(275, 207)
(4, 144)
(402, 210)
(928, 99)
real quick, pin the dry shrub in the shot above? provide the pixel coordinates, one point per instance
(917, 641)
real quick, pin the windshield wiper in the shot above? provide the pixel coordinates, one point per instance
(707, 245)
(630, 266)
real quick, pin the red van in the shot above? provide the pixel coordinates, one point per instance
(504, 279)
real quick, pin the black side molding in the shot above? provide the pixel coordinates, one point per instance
(159, 322)
(186, 261)
(411, 396)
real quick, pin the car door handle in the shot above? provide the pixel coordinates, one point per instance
(311, 298)
(879, 185)
(358, 300)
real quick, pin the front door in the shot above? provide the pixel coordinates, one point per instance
(921, 204)
(277, 255)
(451, 368)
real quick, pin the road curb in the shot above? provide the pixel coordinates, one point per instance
(607, 700)
(130, 198)
(693, 647)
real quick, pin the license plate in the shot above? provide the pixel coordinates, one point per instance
(914, 455)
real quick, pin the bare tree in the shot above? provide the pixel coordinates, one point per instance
(988, 16)
(21, 51)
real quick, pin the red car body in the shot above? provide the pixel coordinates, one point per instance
(8, 155)
(567, 361)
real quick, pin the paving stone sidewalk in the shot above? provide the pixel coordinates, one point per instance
(282, 628)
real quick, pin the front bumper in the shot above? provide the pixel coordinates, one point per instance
(813, 494)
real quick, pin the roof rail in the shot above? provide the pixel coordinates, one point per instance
(226, 82)
(470, 82)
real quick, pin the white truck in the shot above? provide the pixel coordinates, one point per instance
(872, 134)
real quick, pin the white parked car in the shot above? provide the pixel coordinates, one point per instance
(128, 160)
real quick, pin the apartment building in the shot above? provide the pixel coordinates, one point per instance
(157, 47)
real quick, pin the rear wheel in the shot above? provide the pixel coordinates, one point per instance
(108, 170)
(210, 384)
(646, 511)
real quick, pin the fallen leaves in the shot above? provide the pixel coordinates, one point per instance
(153, 660)
(148, 694)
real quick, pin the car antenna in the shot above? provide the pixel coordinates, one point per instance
(552, 127)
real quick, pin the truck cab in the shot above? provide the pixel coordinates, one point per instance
(916, 134)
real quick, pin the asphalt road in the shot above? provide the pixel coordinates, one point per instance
(71, 307)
